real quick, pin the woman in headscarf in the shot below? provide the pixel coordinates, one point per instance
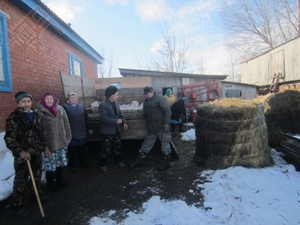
(170, 97)
(58, 134)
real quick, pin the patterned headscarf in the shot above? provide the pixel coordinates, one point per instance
(52, 108)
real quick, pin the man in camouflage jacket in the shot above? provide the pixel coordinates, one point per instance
(25, 137)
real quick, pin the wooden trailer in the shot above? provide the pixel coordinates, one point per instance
(89, 91)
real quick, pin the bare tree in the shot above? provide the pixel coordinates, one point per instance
(260, 25)
(172, 54)
(107, 68)
(232, 66)
(201, 64)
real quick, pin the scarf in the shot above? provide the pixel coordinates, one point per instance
(52, 108)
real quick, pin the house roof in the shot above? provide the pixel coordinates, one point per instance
(58, 26)
(239, 83)
(150, 73)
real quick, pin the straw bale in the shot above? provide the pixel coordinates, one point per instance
(232, 132)
(282, 112)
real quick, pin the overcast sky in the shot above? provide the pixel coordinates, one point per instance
(130, 29)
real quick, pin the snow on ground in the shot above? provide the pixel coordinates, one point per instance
(233, 196)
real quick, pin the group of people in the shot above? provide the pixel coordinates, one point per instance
(50, 137)
(53, 136)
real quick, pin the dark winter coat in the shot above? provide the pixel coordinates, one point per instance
(108, 118)
(157, 112)
(78, 120)
(177, 109)
(57, 129)
(23, 135)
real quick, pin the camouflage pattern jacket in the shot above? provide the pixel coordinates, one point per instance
(23, 135)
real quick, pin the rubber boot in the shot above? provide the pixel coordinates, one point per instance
(140, 161)
(50, 181)
(165, 164)
(72, 153)
(102, 165)
(59, 174)
(118, 161)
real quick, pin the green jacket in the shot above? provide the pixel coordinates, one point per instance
(23, 135)
(157, 112)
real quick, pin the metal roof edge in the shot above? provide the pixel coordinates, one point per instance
(124, 72)
(231, 82)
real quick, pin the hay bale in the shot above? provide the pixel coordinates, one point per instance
(282, 112)
(231, 132)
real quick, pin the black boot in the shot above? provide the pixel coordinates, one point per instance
(50, 181)
(59, 174)
(102, 165)
(165, 164)
(118, 161)
(173, 126)
(140, 161)
(82, 157)
(180, 128)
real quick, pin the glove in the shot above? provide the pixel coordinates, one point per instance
(166, 128)
(90, 132)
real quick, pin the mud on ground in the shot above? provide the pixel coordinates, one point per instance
(92, 193)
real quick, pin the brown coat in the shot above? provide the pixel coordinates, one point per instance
(57, 129)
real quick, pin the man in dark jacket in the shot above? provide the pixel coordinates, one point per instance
(110, 119)
(157, 112)
(178, 109)
(25, 137)
(78, 120)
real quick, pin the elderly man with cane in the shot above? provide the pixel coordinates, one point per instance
(25, 137)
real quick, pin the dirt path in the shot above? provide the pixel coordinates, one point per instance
(92, 193)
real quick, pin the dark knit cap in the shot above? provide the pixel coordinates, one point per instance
(110, 91)
(22, 94)
(147, 89)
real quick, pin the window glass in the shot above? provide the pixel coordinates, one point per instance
(75, 65)
(77, 68)
(5, 75)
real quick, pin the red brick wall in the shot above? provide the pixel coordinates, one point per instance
(36, 57)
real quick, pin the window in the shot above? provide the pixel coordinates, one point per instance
(75, 65)
(5, 75)
(233, 93)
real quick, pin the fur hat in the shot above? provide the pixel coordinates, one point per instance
(147, 89)
(22, 94)
(110, 91)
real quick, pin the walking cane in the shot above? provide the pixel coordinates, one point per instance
(35, 189)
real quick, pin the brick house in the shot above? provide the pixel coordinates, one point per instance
(36, 45)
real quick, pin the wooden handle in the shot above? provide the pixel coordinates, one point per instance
(35, 189)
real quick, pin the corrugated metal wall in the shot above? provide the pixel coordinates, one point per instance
(236, 90)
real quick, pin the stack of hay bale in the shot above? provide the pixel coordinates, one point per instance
(232, 132)
(282, 112)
